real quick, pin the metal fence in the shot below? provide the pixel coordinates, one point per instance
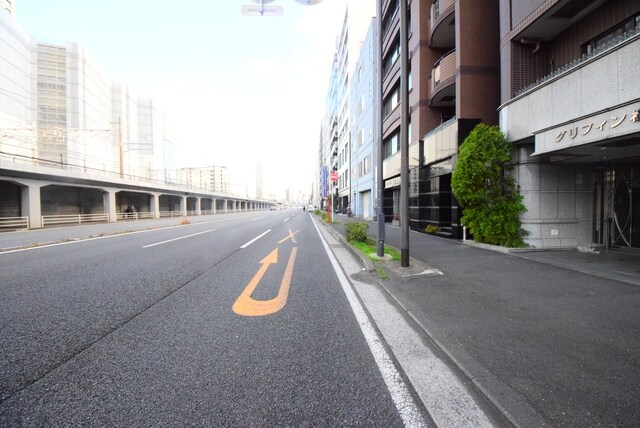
(171, 214)
(134, 216)
(11, 223)
(49, 220)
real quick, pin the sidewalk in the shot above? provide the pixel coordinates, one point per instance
(550, 338)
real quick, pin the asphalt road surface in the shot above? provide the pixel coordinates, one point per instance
(235, 321)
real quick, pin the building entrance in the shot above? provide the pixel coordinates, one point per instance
(621, 205)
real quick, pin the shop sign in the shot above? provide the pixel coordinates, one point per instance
(614, 123)
(394, 182)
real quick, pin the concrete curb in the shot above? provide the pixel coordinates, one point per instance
(510, 409)
(506, 250)
(364, 261)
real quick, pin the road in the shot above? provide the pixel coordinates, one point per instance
(233, 321)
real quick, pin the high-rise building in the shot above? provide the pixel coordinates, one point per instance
(335, 148)
(570, 104)
(17, 100)
(453, 84)
(364, 127)
(57, 107)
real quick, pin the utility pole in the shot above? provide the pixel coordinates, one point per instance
(404, 138)
(380, 145)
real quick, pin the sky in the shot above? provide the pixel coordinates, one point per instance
(236, 89)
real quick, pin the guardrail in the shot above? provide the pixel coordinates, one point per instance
(48, 220)
(14, 223)
(171, 214)
(134, 216)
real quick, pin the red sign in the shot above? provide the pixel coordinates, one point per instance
(333, 176)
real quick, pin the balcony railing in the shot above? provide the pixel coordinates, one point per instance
(444, 70)
(440, 6)
(633, 34)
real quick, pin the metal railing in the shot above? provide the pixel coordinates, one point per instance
(134, 216)
(567, 68)
(171, 214)
(49, 220)
(14, 223)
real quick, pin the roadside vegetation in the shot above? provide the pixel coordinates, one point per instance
(491, 202)
(356, 234)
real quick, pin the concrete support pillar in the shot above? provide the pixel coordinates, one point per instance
(183, 205)
(214, 205)
(31, 205)
(110, 204)
(155, 204)
(226, 206)
(198, 205)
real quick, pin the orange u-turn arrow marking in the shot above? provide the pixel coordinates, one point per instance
(250, 307)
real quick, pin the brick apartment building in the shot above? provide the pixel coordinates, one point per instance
(561, 78)
(454, 83)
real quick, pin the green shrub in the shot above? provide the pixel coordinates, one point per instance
(317, 212)
(480, 182)
(432, 229)
(356, 231)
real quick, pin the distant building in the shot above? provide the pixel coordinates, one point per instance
(58, 107)
(334, 145)
(259, 181)
(364, 127)
(209, 178)
(9, 6)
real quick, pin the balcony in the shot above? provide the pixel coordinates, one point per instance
(558, 18)
(443, 81)
(443, 28)
(391, 166)
(587, 112)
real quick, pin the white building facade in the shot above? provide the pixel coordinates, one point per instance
(336, 129)
(58, 108)
(363, 127)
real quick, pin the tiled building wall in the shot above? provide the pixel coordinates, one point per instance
(567, 46)
(527, 67)
(478, 60)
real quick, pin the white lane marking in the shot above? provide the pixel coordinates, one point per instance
(259, 218)
(177, 239)
(400, 394)
(40, 245)
(286, 219)
(625, 273)
(78, 240)
(255, 239)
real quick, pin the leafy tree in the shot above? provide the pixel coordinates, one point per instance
(492, 204)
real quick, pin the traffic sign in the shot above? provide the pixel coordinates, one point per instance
(261, 10)
(333, 176)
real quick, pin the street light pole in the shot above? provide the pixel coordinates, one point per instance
(380, 145)
(404, 138)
